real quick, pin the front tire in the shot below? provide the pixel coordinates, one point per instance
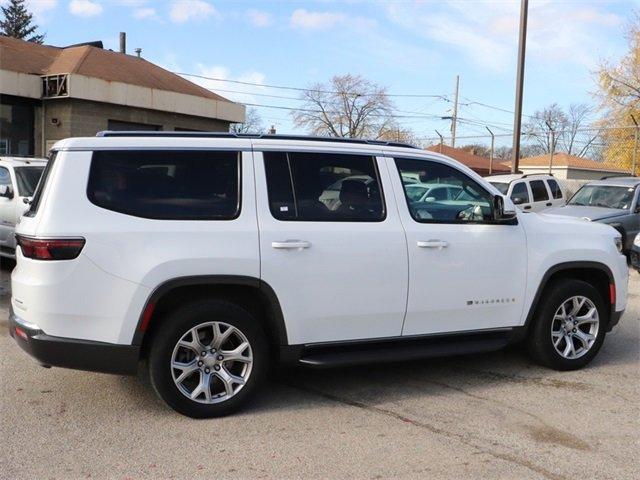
(208, 358)
(569, 326)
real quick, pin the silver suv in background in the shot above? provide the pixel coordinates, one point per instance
(530, 192)
(612, 200)
(18, 179)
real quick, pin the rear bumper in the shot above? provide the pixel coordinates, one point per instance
(71, 353)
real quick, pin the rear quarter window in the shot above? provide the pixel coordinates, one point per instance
(168, 185)
(555, 188)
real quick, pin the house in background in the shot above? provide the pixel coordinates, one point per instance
(569, 167)
(50, 93)
(477, 163)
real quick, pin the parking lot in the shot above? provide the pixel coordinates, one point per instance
(486, 416)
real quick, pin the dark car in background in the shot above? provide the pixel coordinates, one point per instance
(634, 255)
(614, 201)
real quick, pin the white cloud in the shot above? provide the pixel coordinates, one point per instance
(306, 20)
(185, 10)
(38, 7)
(145, 12)
(259, 18)
(241, 93)
(487, 33)
(84, 8)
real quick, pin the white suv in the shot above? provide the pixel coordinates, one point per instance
(18, 179)
(212, 255)
(531, 192)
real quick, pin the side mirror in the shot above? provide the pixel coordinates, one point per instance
(6, 191)
(430, 199)
(503, 209)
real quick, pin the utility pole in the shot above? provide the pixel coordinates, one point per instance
(517, 120)
(441, 140)
(493, 142)
(454, 118)
(552, 145)
(634, 162)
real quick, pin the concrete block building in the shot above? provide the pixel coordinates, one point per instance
(50, 93)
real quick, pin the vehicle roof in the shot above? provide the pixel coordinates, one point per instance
(510, 177)
(22, 161)
(617, 181)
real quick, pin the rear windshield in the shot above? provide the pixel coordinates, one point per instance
(502, 187)
(170, 185)
(27, 178)
(42, 183)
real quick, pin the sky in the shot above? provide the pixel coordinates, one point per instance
(411, 47)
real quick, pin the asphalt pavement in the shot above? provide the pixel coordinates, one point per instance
(491, 416)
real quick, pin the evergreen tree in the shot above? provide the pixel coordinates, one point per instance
(18, 22)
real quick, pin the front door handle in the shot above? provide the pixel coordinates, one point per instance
(439, 244)
(291, 245)
(527, 207)
(549, 204)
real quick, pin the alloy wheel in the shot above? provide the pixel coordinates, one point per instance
(575, 326)
(211, 362)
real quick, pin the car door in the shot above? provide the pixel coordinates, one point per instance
(8, 211)
(520, 195)
(540, 194)
(339, 271)
(466, 272)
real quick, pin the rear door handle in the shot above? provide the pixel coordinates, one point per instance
(549, 204)
(291, 245)
(439, 244)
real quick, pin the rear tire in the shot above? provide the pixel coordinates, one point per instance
(569, 325)
(208, 358)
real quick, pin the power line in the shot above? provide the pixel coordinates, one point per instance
(314, 90)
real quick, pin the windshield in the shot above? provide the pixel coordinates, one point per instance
(27, 178)
(603, 196)
(502, 187)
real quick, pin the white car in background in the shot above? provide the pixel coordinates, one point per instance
(425, 192)
(18, 179)
(530, 192)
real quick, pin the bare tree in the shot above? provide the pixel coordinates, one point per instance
(538, 127)
(568, 126)
(348, 106)
(252, 123)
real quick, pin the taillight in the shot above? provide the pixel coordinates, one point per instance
(50, 248)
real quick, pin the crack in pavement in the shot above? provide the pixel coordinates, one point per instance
(507, 457)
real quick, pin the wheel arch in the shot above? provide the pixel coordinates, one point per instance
(595, 273)
(251, 293)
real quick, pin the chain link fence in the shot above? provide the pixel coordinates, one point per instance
(577, 154)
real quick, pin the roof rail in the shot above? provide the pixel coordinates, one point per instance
(623, 175)
(536, 175)
(113, 133)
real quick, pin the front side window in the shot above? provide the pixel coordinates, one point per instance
(520, 194)
(27, 179)
(555, 188)
(464, 200)
(323, 187)
(170, 185)
(539, 191)
(603, 196)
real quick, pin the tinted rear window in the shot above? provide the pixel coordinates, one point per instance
(555, 188)
(169, 185)
(27, 178)
(539, 191)
(42, 183)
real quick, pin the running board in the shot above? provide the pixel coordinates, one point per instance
(357, 353)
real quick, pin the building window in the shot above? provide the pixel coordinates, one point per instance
(16, 128)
